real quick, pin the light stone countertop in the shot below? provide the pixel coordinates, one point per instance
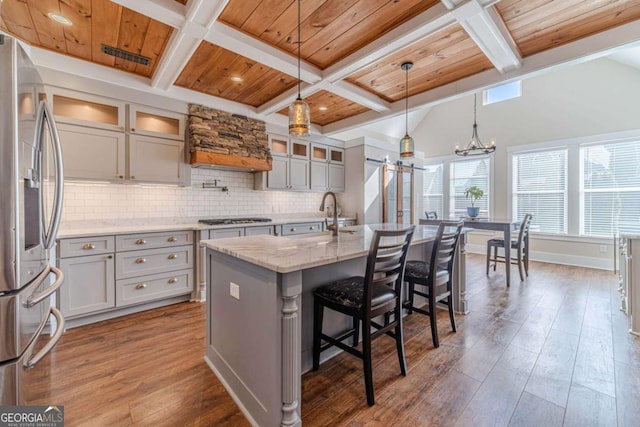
(285, 254)
(130, 226)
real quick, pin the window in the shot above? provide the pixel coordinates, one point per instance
(540, 188)
(502, 92)
(610, 188)
(463, 174)
(432, 190)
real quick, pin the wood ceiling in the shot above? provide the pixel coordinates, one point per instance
(244, 52)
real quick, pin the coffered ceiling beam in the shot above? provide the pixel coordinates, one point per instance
(229, 38)
(356, 94)
(284, 99)
(200, 17)
(431, 21)
(487, 30)
(576, 52)
(168, 12)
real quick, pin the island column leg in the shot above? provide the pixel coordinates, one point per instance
(459, 277)
(291, 288)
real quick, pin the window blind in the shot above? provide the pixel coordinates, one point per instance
(465, 173)
(610, 188)
(433, 189)
(540, 188)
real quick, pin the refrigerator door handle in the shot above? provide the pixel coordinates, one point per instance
(35, 299)
(56, 215)
(31, 361)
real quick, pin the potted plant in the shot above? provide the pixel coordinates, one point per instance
(474, 193)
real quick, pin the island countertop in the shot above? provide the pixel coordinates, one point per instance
(284, 254)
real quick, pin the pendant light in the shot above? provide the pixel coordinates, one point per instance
(406, 143)
(299, 113)
(475, 147)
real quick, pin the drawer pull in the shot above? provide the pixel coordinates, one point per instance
(140, 260)
(173, 280)
(109, 256)
(140, 242)
(172, 256)
(171, 239)
(141, 285)
(88, 246)
(312, 228)
(293, 229)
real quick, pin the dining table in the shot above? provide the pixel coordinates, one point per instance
(505, 225)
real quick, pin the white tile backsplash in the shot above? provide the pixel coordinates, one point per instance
(99, 201)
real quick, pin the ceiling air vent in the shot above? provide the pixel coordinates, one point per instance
(123, 54)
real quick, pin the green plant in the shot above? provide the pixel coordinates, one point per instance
(474, 193)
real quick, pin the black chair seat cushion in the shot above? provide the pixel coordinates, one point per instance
(500, 243)
(416, 269)
(349, 292)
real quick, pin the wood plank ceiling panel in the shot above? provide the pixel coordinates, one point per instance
(95, 22)
(220, 72)
(327, 107)
(441, 58)
(539, 25)
(330, 29)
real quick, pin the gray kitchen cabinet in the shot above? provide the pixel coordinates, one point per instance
(101, 142)
(156, 160)
(327, 168)
(93, 154)
(89, 281)
(261, 230)
(292, 229)
(290, 165)
(108, 276)
(221, 233)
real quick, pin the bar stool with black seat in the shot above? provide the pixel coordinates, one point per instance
(378, 292)
(435, 277)
(520, 244)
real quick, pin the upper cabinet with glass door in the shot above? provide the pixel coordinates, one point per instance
(88, 110)
(153, 122)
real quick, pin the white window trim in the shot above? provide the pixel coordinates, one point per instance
(574, 170)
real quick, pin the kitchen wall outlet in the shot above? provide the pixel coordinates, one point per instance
(234, 290)
(603, 249)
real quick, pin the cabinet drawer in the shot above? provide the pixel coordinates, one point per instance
(151, 261)
(301, 228)
(86, 246)
(133, 242)
(226, 232)
(256, 231)
(147, 288)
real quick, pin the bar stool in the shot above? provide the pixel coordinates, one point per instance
(378, 292)
(435, 277)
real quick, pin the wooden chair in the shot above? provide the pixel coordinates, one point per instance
(431, 214)
(435, 277)
(520, 244)
(378, 292)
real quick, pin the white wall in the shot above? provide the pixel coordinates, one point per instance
(594, 98)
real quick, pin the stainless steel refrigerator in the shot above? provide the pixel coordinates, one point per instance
(31, 191)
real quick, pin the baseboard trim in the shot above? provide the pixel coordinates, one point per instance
(553, 258)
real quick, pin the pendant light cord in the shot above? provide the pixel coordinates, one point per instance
(475, 102)
(299, 42)
(406, 102)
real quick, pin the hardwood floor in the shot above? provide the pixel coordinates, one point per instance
(553, 350)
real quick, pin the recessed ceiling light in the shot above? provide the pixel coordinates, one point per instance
(237, 79)
(323, 108)
(59, 18)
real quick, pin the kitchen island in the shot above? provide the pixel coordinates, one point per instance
(260, 310)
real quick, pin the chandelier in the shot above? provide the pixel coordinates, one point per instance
(475, 147)
(299, 113)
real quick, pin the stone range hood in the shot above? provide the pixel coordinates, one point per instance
(223, 140)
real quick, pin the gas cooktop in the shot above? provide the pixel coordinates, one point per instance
(224, 221)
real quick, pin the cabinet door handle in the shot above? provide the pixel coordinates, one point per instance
(121, 176)
(141, 285)
(133, 177)
(140, 242)
(173, 280)
(171, 239)
(140, 260)
(88, 246)
(172, 256)
(133, 129)
(109, 256)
